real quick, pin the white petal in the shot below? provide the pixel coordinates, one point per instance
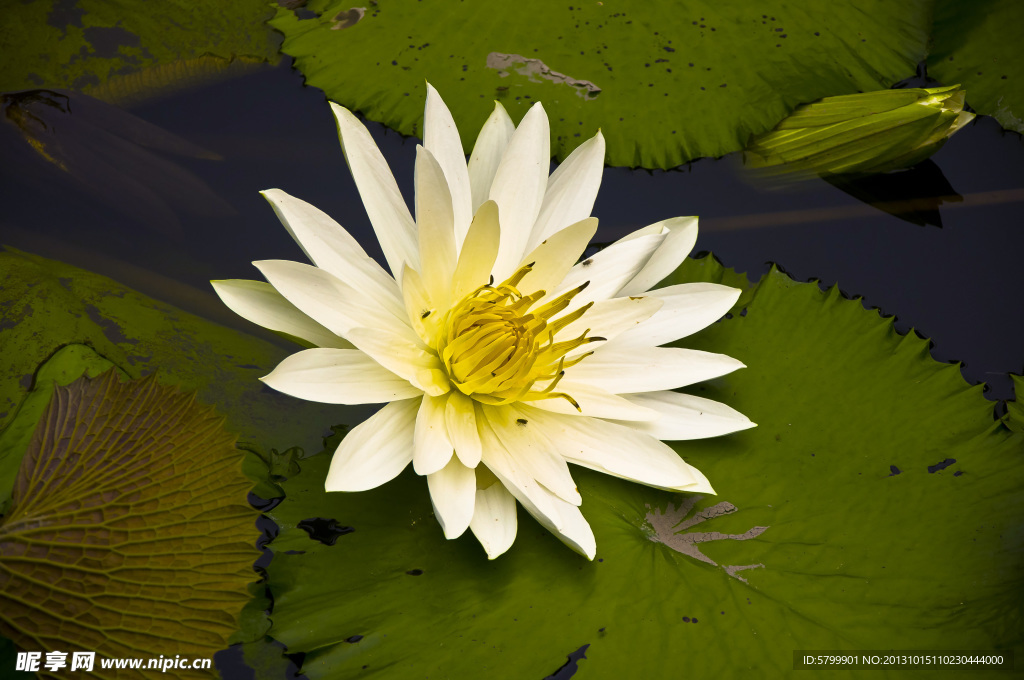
(682, 235)
(608, 318)
(259, 302)
(388, 213)
(532, 452)
(434, 220)
(460, 417)
(329, 246)
(554, 257)
(571, 190)
(518, 187)
(684, 416)
(555, 514)
(618, 451)
(627, 371)
(608, 270)
(328, 300)
(538, 501)
(486, 157)
(338, 376)
(453, 495)
(594, 402)
(423, 316)
(404, 357)
(376, 450)
(561, 518)
(573, 529)
(433, 448)
(478, 252)
(700, 485)
(441, 137)
(494, 519)
(687, 308)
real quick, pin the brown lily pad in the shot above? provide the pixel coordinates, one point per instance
(128, 532)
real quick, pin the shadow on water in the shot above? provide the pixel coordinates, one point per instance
(914, 195)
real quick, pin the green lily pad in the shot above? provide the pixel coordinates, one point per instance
(109, 49)
(876, 506)
(259, 651)
(1014, 418)
(977, 44)
(267, 660)
(128, 533)
(707, 268)
(46, 305)
(665, 82)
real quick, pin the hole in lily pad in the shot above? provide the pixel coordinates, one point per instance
(941, 466)
(570, 667)
(324, 530)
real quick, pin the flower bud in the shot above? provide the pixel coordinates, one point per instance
(865, 133)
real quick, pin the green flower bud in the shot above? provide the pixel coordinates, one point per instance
(862, 133)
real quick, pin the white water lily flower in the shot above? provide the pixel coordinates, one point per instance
(502, 358)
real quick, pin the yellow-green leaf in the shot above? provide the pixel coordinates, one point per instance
(128, 532)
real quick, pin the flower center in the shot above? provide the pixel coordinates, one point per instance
(498, 349)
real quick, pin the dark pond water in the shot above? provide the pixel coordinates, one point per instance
(956, 284)
(165, 224)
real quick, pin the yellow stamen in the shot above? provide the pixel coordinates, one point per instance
(495, 347)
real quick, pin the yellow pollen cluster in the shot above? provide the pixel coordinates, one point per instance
(496, 348)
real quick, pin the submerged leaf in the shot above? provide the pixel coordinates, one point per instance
(166, 80)
(128, 532)
(46, 304)
(65, 366)
(71, 141)
(833, 528)
(110, 49)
